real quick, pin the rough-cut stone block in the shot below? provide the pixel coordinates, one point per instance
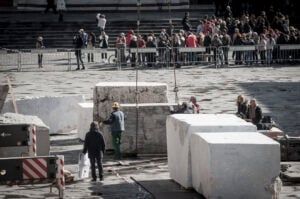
(151, 137)
(42, 137)
(3, 93)
(59, 113)
(234, 165)
(179, 129)
(105, 93)
(85, 118)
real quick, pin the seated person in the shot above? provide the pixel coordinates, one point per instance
(241, 103)
(184, 108)
(254, 113)
(196, 105)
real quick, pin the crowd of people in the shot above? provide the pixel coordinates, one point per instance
(264, 32)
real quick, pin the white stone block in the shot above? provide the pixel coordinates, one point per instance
(179, 129)
(105, 93)
(234, 165)
(85, 118)
(59, 113)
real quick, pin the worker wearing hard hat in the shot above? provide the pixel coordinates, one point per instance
(116, 120)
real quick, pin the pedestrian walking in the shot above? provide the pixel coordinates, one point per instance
(116, 121)
(94, 145)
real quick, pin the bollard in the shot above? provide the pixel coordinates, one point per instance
(19, 62)
(69, 60)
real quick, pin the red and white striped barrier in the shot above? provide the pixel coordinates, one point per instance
(60, 175)
(34, 168)
(32, 141)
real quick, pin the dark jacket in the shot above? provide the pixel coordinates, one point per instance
(242, 110)
(116, 120)
(258, 115)
(94, 143)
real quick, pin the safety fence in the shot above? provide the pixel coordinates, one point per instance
(160, 57)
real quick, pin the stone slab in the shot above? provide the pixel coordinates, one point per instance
(234, 165)
(179, 129)
(151, 137)
(60, 113)
(42, 136)
(85, 118)
(105, 93)
(3, 93)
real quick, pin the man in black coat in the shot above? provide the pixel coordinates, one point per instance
(95, 146)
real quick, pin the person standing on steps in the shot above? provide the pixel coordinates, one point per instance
(116, 121)
(78, 42)
(95, 146)
(39, 45)
(61, 7)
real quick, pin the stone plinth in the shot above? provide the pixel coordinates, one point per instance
(84, 119)
(151, 137)
(234, 165)
(179, 129)
(105, 93)
(59, 113)
(42, 136)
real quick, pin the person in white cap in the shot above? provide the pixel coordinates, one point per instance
(116, 121)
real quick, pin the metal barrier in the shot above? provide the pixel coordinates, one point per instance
(33, 170)
(120, 57)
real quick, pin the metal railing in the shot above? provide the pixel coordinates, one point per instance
(160, 57)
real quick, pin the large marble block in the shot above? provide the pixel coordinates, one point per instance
(234, 165)
(85, 118)
(179, 129)
(42, 134)
(151, 136)
(60, 113)
(105, 93)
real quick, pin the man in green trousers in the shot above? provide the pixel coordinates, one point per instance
(116, 121)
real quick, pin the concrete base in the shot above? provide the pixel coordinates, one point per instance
(85, 118)
(179, 129)
(151, 128)
(59, 113)
(234, 165)
(3, 93)
(42, 137)
(105, 93)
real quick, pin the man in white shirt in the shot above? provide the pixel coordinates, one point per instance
(101, 22)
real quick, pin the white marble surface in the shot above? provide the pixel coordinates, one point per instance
(85, 118)
(179, 129)
(234, 165)
(59, 113)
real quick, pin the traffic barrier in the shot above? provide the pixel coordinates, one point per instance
(33, 170)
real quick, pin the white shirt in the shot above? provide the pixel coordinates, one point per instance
(101, 21)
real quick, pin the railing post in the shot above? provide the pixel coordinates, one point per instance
(19, 62)
(69, 60)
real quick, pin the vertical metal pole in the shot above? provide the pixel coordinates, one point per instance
(69, 60)
(172, 53)
(136, 80)
(19, 62)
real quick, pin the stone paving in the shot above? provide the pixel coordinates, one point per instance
(277, 90)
